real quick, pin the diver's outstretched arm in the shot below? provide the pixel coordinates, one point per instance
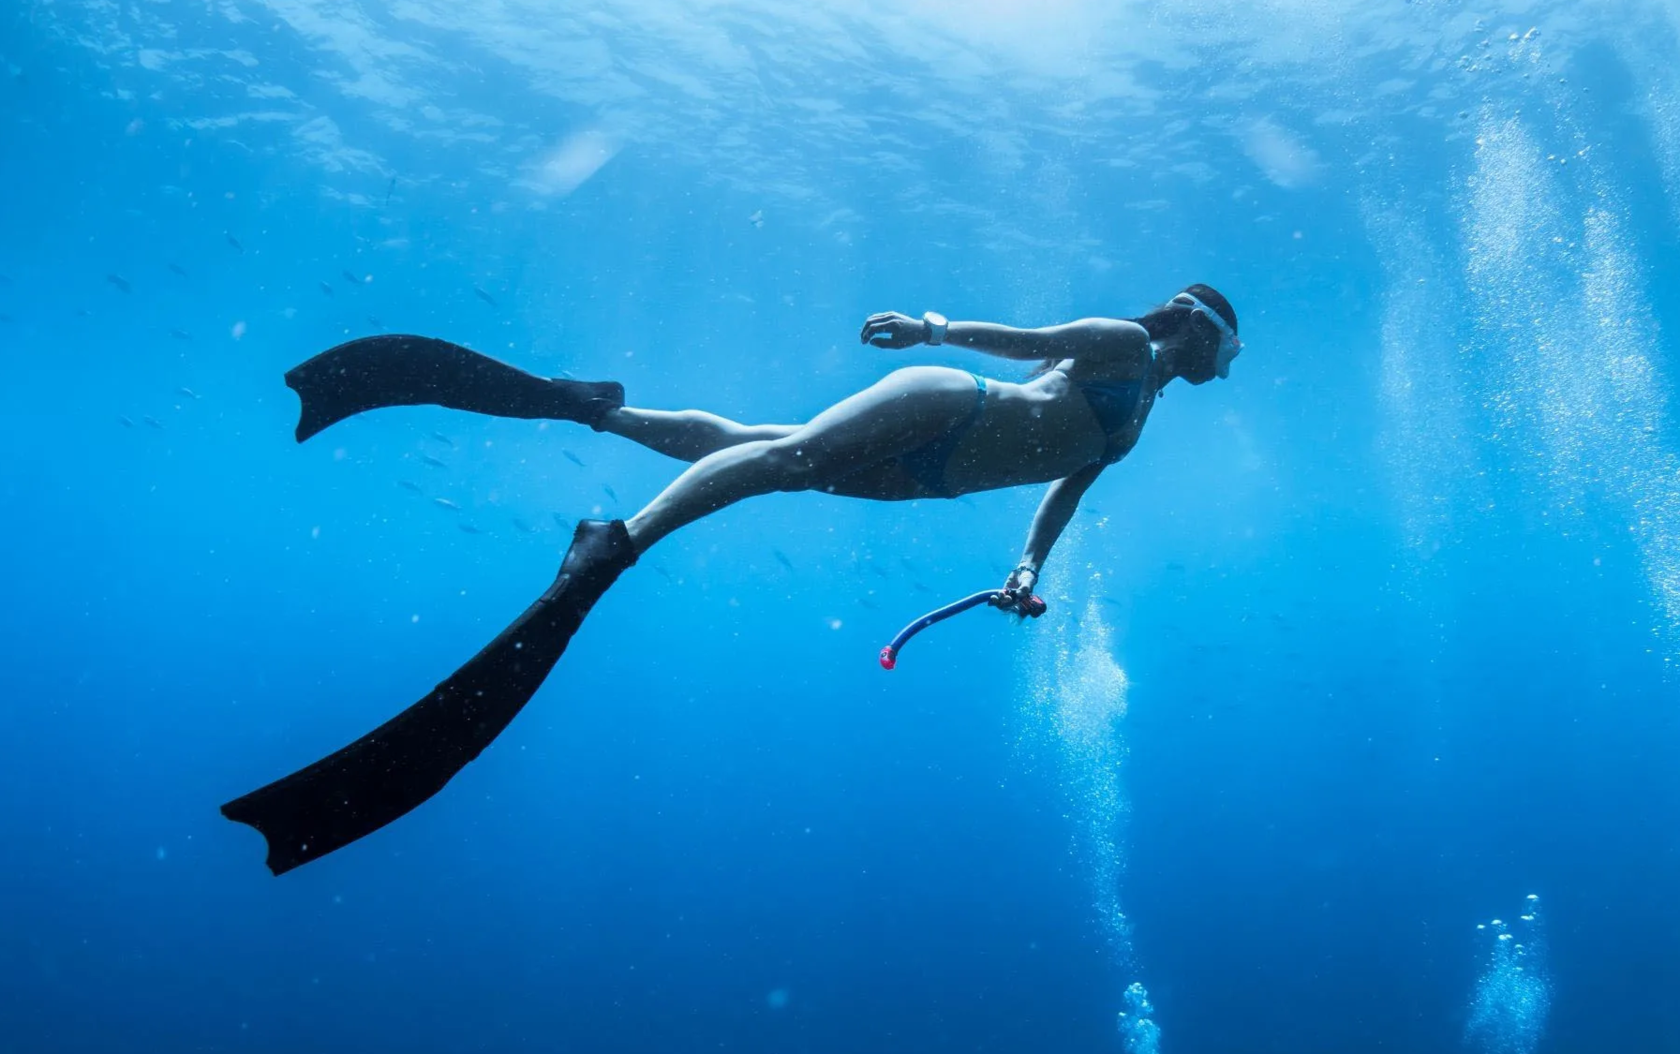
(1088, 338)
(1054, 514)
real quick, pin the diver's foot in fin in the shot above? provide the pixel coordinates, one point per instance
(401, 370)
(601, 550)
(396, 767)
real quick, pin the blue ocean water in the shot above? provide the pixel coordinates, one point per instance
(1360, 650)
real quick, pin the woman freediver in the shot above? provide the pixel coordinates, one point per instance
(919, 432)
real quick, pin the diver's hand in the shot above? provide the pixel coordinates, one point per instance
(1017, 592)
(889, 329)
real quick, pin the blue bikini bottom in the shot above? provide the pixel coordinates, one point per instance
(926, 463)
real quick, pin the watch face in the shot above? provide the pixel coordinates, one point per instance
(934, 318)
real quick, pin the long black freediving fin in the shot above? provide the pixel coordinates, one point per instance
(404, 370)
(400, 764)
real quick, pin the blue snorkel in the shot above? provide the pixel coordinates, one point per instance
(1031, 607)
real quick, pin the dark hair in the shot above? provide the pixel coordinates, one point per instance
(1165, 321)
(1213, 298)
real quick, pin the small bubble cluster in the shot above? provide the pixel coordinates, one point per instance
(1139, 1033)
(1513, 995)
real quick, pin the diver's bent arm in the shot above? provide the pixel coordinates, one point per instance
(1088, 338)
(1053, 515)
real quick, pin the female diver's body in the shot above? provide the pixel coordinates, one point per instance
(937, 432)
(920, 432)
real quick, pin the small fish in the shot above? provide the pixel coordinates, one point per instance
(326, 290)
(180, 334)
(188, 392)
(482, 295)
(870, 604)
(560, 521)
(445, 503)
(1174, 565)
(469, 528)
(523, 526)
(434, 462)
(574, 458)
(782, 558)
(1111, 600)
(120, 282)
(908, 566)
(127, 422)
(82, 312)
(920, 588)
(5, 279)
(609, 491)
(375, 323)
(5, 319)
(392, 186)
(757, 218)
(663, 573)
(178, 269)
(410, 485)
(352, 279)
(440, 437)
(878, 569)
(154, 422)
(231, 240)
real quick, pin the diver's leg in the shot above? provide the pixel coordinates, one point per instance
(904, 410)
(687, 435)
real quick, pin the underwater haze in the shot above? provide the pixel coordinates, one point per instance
(1354, 721)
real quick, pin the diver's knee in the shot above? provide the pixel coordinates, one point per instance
(791, 465)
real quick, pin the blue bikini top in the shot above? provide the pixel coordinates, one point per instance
(1114, 403)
